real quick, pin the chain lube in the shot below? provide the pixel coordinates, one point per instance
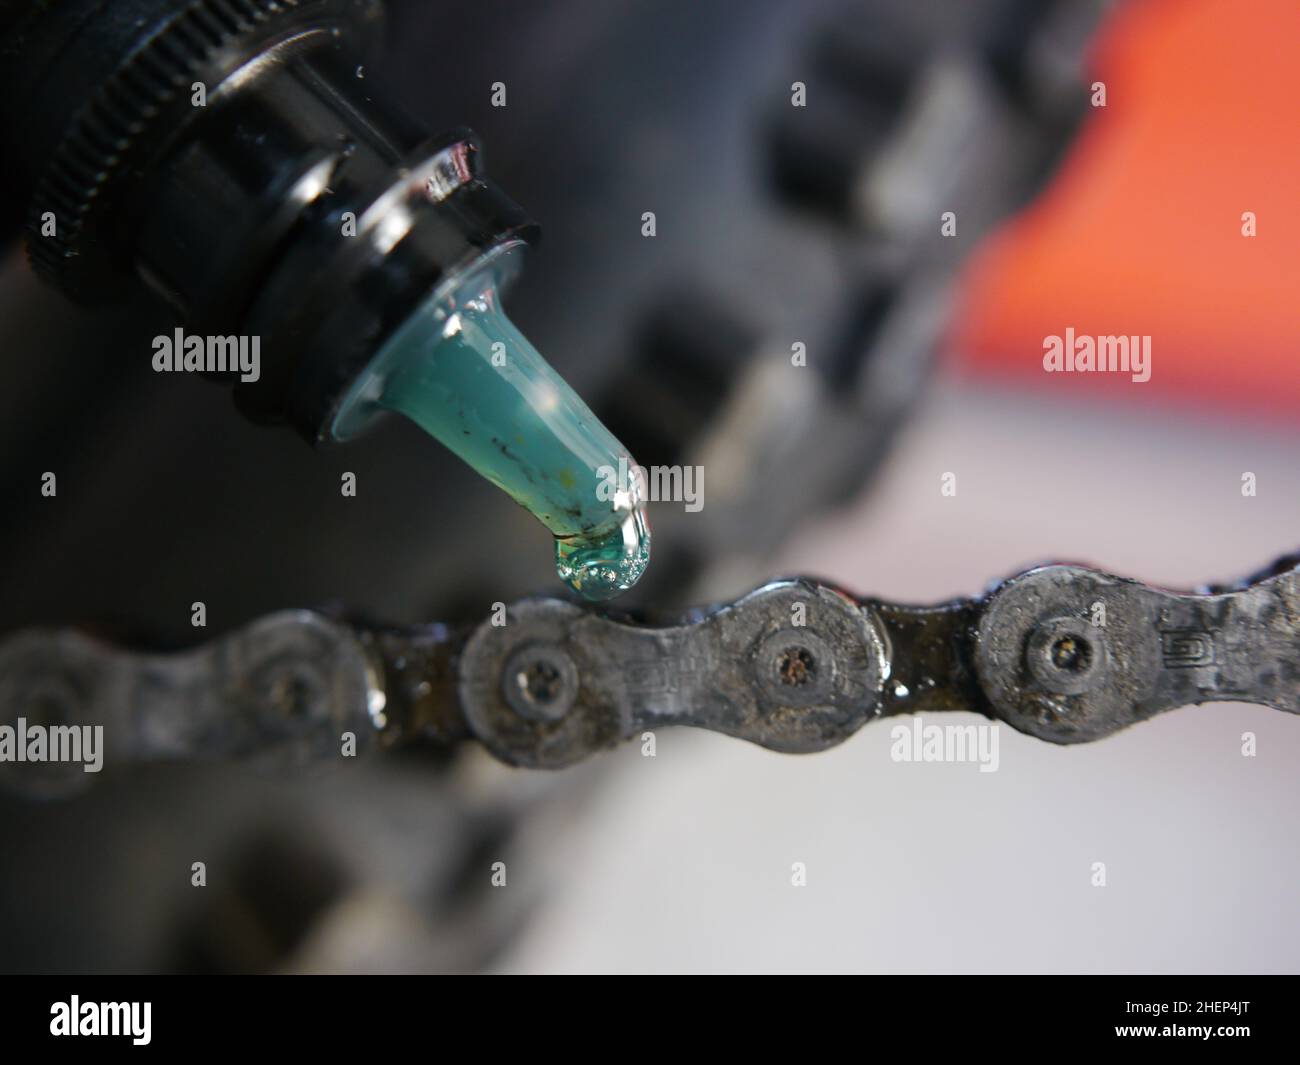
(462, 371)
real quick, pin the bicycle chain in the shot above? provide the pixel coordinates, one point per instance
(1064, 653)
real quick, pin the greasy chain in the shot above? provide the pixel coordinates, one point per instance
(1064, 653)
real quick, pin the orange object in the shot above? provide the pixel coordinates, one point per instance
(1141, 230)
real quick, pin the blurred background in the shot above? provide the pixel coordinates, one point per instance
(776, 225)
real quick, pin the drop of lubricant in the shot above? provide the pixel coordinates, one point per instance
(601, 565)
(462, 371)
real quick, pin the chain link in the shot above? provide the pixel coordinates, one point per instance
(1063, 653)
